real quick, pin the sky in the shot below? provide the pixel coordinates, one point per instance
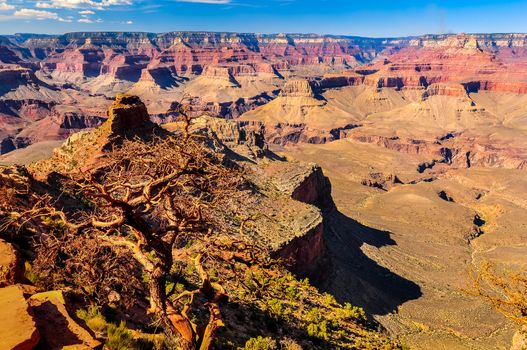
(372, 18)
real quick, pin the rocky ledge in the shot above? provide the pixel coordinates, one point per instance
(288, 193)
(18, 330)
(291, 195)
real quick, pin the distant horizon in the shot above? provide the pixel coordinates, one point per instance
(266, 33)
(378, 19)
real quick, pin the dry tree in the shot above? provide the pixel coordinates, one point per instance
(145, 201)
(153, 198)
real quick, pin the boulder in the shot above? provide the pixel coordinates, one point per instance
(18, 330)
(11, 270)
(57, 328)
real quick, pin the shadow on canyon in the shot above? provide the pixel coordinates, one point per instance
(354, 277)
(49, 317)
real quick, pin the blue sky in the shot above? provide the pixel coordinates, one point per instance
(378, 18)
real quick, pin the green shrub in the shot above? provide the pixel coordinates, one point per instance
(290, 344)
(276, 307)
(145, 278)
(121, 338)
(314, 316)
(260, 343)
(329, 300)
(248, 281)
(53, 223)
(91, 312)
(352, 313)
(170, 287)
(93, 318)
(291, 293)
(29, 274)
(118, 337)
(97, 324)
(319, 330)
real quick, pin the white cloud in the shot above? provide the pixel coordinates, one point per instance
(129, 22)
(4, 6)
(73, 4)
(215, 2)
(39, 15)
(86, 12)
(87, 20)
(44, 5)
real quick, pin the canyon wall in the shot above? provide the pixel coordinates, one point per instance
(125, 55)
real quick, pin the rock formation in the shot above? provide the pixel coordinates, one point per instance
(296, 186)
(234, 73)
(231, 135)
(126, 113)
(297, 88)
(56, 327)
(11, 270)
(18, 330)
(127, 117)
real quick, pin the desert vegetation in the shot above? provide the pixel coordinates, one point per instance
(505, 290)
(154, 227)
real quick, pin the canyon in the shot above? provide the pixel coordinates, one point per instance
(423, 140)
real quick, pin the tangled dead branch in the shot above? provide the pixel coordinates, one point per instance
(142, 204)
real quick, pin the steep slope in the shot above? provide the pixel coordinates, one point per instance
(276, 196)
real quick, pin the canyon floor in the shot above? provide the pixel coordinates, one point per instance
(408, 246)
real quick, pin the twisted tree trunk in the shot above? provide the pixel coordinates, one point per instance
(160, 306)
